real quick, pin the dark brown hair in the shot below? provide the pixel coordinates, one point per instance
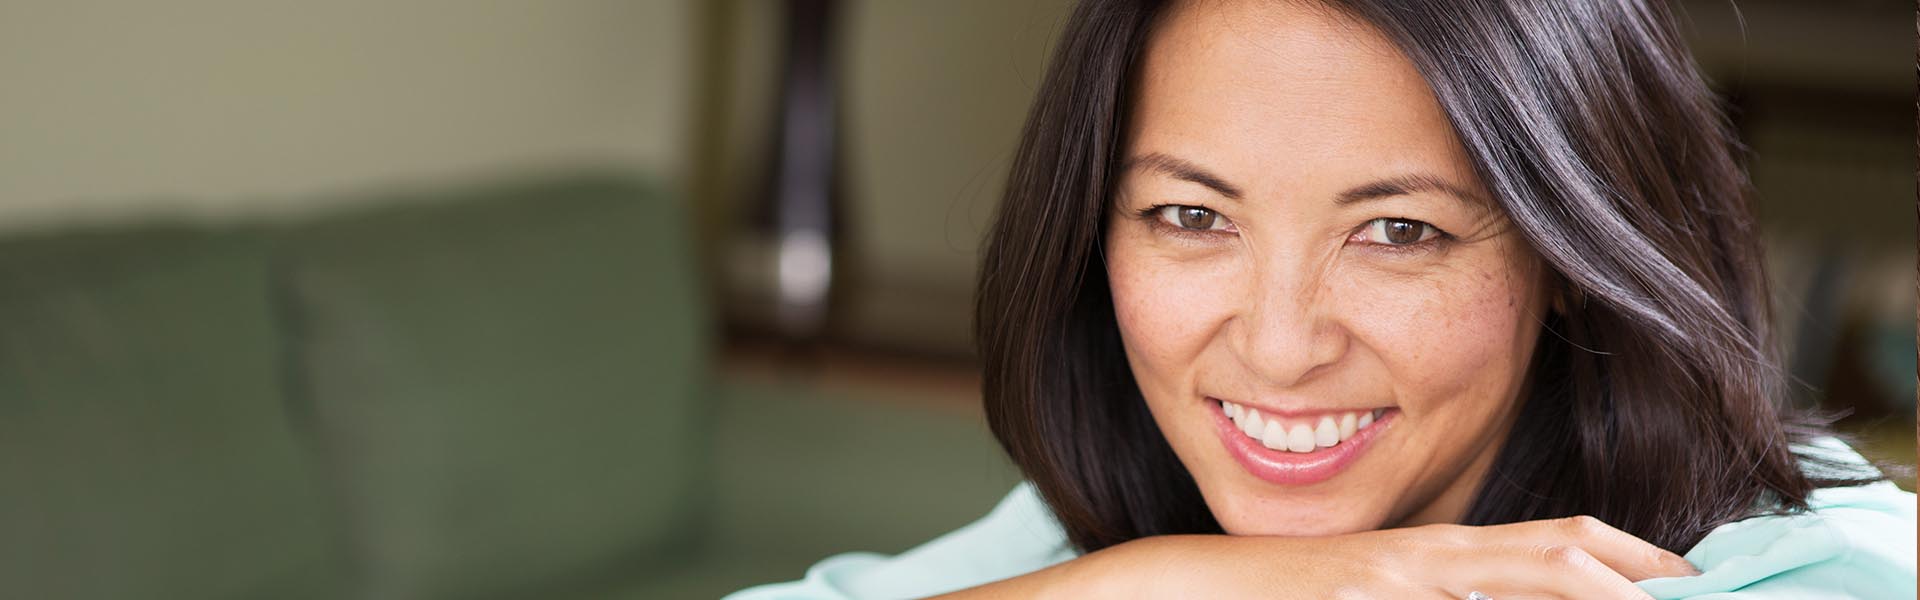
(1657, 399)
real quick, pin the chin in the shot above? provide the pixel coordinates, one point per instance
(1293, 517)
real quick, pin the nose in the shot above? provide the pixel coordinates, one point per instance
(1285, 331)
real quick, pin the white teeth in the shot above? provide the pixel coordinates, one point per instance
(1330, 431)
(1327, 434)
(1273, 436)
(1300, 439)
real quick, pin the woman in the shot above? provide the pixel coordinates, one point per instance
(1396, 299)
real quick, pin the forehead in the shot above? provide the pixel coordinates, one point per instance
(1284, 94)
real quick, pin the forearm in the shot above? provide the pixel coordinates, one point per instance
(1096, 575)
(1134, 569)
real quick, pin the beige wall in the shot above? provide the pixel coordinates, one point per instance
(938, 92)
(212, 108)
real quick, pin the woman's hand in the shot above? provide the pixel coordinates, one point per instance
(1578, 557)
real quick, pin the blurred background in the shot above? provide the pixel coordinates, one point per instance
(635, 298)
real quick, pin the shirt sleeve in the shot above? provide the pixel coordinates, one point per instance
(1019, 536)
(1857, 542)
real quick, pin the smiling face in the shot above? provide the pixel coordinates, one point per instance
(1299, 233)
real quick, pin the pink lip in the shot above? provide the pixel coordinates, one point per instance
(1292, 468)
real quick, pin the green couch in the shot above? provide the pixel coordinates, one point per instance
(499, 392)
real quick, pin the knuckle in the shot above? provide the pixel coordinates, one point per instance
(1583, 526)
(1566, 557)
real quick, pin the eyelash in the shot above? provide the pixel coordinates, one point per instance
(1151, 215)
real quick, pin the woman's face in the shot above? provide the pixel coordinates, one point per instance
(1299, 233)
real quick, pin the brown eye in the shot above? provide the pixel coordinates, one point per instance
(1398, 232)
(1402, 232)
(1194, 218)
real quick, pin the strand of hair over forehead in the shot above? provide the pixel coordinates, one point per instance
(1632, 282)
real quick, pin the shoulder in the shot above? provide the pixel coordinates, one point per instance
(1018, 536)
(1855, 542)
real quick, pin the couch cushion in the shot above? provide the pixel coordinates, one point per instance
(506, 383)
(144, 447)
(805, 470)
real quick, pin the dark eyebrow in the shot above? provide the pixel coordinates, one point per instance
(1403, 185)
(1183, 170)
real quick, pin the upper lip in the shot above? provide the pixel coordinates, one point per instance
(1305, 411)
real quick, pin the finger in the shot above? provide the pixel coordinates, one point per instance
(1631, 557)
(1552, 572)
(1495, 592)
(1504, 595)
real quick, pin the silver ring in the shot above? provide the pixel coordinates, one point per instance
(1478, 596)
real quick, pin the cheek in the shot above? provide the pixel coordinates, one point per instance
(1166, 310)
(1466, 334)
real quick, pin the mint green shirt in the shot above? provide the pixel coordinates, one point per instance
(1857, 542)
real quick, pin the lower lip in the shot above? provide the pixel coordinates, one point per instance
(1296, 468)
